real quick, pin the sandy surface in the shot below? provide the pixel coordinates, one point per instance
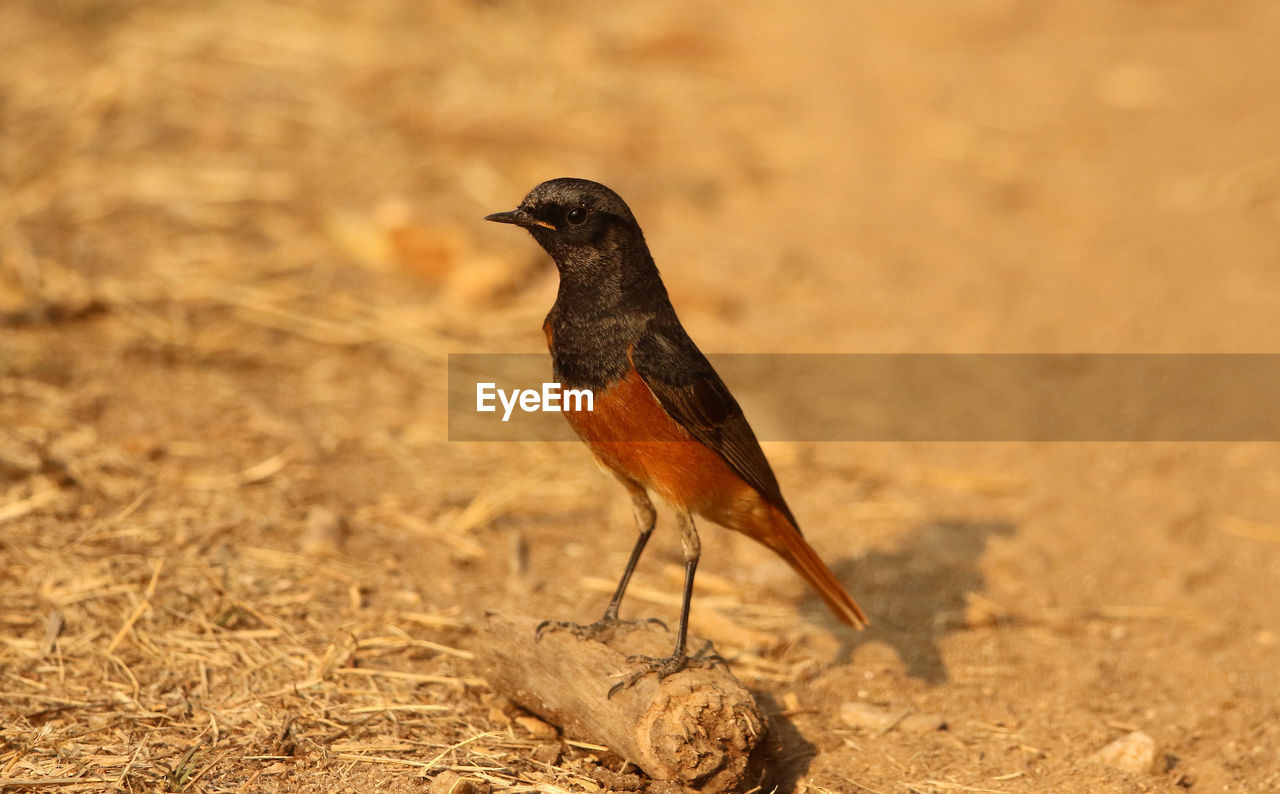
(238, 242)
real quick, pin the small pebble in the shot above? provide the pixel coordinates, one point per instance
(922, 723)
(548, 754)
(1134, 752)
(979, 614)
(790, 703)
(323, 533)
(874, 718)
(537, 728)
(453, 783)
(865, 715)
(498, 716)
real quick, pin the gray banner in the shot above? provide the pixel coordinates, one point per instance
(925, 397)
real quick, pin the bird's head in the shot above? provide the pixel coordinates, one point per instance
(586, 227)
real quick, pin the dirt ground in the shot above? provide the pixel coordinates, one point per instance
(239, 239)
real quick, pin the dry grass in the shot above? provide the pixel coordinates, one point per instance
(150, 645)
(152, 648)
(137, 660)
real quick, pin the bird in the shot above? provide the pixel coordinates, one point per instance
(662, 420)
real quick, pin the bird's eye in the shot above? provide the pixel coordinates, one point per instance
(576, 216)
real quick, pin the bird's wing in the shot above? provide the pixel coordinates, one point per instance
(690, 391)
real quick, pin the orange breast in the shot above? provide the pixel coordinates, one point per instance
(629, 433)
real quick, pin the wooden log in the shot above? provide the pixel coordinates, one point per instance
(697, 727)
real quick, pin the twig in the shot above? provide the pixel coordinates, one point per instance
(142, 606)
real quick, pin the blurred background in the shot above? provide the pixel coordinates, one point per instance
(239, 239)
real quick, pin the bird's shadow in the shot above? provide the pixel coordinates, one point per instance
(914, 595)
(918, 592)
(783, 755)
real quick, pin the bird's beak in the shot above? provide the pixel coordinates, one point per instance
(518, 217)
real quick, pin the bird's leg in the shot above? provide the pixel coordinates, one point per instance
(679, 658)
(646, 517)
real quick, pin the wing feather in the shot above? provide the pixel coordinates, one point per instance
(692, 393)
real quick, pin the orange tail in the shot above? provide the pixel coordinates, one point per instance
(791, 546)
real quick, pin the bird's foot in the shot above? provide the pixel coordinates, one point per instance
(600, 631)
(665, 666)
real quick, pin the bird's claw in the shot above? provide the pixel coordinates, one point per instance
(663, 667)
(600, 630)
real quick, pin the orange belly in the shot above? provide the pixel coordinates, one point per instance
(631, 435)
